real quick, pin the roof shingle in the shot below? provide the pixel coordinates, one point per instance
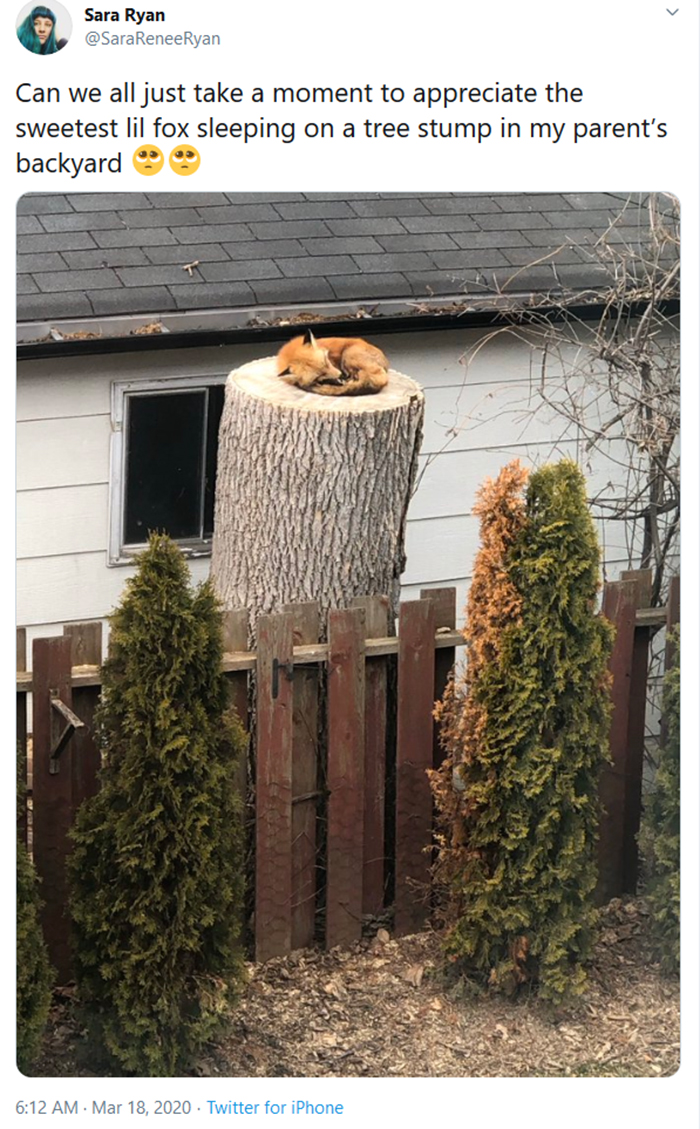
(95, 254)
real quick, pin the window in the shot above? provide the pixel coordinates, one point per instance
(164, 463)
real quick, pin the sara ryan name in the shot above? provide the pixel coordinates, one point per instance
(131, 15)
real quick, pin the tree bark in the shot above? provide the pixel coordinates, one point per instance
(312, 492)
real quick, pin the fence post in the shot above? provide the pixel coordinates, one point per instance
(346, 770)
(619, 606)
(445, 603)
(273, 787)
(414, 755)
(636, 732)
(305, 621)
(376, 610)
(52, 796)
(86, 649)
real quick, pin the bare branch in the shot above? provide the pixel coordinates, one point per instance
(614, 380)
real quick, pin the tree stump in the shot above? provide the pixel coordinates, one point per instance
(312, 492)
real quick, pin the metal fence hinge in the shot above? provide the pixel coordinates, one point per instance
(288, 669)
(73, 723)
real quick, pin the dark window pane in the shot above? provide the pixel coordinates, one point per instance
(216, 406)
(164, 465)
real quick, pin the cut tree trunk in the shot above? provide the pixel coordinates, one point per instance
(312, 492)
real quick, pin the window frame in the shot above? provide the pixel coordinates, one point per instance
(118, 552)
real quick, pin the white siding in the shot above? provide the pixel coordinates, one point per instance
(80, 586)
(476, 421)
(61, 522)
(48, 394)
(62, 452)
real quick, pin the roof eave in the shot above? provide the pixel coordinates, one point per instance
(200, 329)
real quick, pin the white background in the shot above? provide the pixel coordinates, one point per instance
(633, 61)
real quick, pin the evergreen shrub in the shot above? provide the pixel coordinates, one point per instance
(663, 821)
(156, 867)
(526, 733)
(34, 973)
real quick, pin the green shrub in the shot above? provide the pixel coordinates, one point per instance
(34, 973)
(663, 819)
(528, 753)
(156, 867)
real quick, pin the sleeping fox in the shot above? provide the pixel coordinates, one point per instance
(333, 366)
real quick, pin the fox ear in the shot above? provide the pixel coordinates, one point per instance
(309, 338)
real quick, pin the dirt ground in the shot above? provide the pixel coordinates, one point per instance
(384, 1009)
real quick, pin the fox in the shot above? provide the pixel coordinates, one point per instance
(333, 366)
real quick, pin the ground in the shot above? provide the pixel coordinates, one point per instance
(384, 1009)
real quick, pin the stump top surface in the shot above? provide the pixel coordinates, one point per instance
(260, 379)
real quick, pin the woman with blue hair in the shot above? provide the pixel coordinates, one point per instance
(38, 32)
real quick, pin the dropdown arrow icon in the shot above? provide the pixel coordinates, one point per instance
(672, 13)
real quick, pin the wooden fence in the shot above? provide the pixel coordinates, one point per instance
(339, 812)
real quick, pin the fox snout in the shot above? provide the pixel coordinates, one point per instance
(329, 368)
(306, 363)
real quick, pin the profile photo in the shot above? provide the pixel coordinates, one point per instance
(43, 30)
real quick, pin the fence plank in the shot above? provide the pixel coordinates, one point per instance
(376, 609)
(22, 735)
(235, 637)
(444, 601)
(346, 769)
(636, 731)
(305, 619)
(414, 755)
(234, 630)
(86, 649)
(273, 790)
(235, 634)
(52, 796)
(673, 617)
(619, 605)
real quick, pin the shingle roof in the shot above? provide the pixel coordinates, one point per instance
(82, 256)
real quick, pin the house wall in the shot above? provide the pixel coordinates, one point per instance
(475, 422)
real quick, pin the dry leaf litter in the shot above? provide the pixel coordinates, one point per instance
(385, 1009)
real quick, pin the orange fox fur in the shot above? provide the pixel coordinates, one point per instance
(333, 366)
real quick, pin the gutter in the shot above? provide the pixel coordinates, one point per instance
(376, 324)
